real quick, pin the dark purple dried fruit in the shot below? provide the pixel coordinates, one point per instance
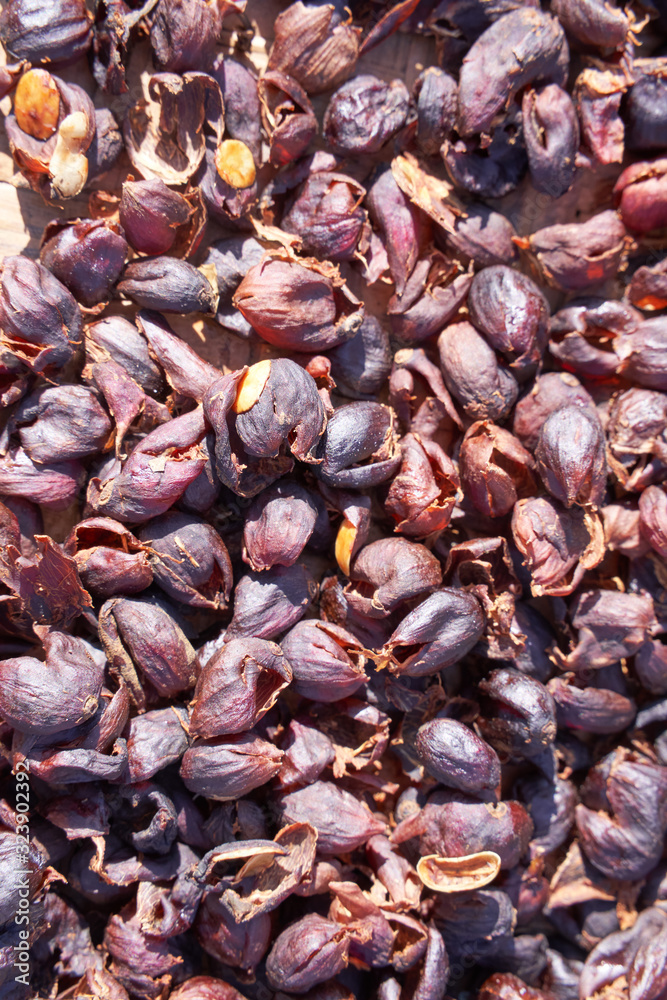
(42, 698)
(551, 134)
(512, 313)
(288, 117)
(315, 45)
(424, 491)
(169, 285)
(40, 319)
(593, 22)
(436, 94)
(523, 47)
(258, 413)
(310, 951)
(485, 390)
(327, 662)
(278, 525)
(438, 633)
(238, 686)
(519, 716)
(155, 218)
(67, 249)
(108, 557)
(496, 470)
(343, 822)
(184, 34)
(580, 255)
(57, 34)
(268, 603)
(359, 447)
(229, 767)
(571, 457)
(189, 559)
(298, 305)
(455, 756)
(363, 114)
(141, 634)
(326, 214)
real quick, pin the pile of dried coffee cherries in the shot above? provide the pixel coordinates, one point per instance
(333, 481)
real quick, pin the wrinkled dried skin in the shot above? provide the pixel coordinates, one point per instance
(257, 414)
(278, 525)
(268, 603)
(458, 874)
(489, 167)
(585, 339)
(189, 560)
(648, 287)
(310, 951)
(237, 686)
(58, 34)
(511, 311)
(432, 296)
(343, 822)
(67, 250)
(156, 474)
(169, 285)
(61, 424)
(598, 94)
(594, 22)
(520, 716)
(327, 215)
(164, 133)
(495, 469)
(643, 355)
(571, 457)
(653, 518)
(288, 117)
(298, 305)
(160, 649)
(483, 237)
(229, 767)
(622, 531)
(314, 46)
(327, 662)
(610, 625)
(360, 447)
(484, 568)
(265, 886)
(523, 47)
(455, 756)
(40, 319)
(627, 845)
(641, 194)
(485, 390)
(443, 628)
(549, 393)
(46, 698)
(436, 94)
(240, 99)
(551, 133)
(401, 227)
(646, 104)
(590, 710)
(363, 114)
(153, 215)
(580, 255)
(558, 545)
(184, 33)
(390, 571)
